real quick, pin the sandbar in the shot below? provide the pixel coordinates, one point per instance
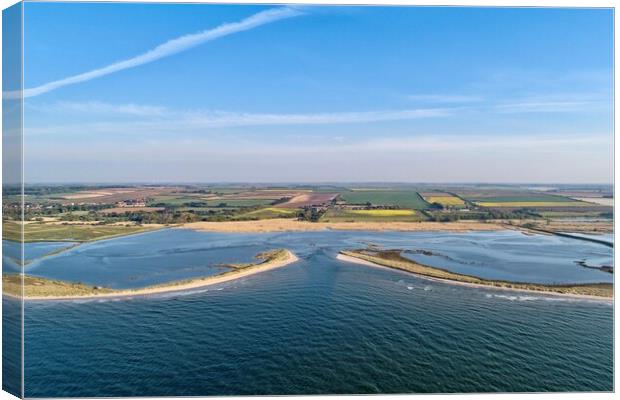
(280, 259)
(552, 290)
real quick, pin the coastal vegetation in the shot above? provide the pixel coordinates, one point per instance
(54, 231)
(42, 287)
(394, 259)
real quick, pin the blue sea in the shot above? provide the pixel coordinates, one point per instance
(320, 325)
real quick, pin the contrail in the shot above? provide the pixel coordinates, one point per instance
(166, 49)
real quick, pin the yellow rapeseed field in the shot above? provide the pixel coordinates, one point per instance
(445, 200)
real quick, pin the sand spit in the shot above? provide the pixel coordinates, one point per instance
(284, 258)
(490, 286)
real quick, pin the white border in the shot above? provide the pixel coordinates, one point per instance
(483, 3)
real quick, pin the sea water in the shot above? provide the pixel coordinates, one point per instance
(319, 325)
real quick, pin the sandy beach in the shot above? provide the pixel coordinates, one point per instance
(355, 260)
(293, 225)
(181, 286)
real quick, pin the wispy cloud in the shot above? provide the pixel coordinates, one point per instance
(162, 119)
(554, 103)
(537, 106)
(99, 108)
(166, 49)
(227, 119)
(444, 98)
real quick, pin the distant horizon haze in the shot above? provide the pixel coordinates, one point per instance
(315, 183)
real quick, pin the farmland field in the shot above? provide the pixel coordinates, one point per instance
(517, 198)
(309, 199)
(575, 213)
(123, 210)
(445, 199)
(383, 213)
(269, 212)
(371, 215)
(405, 198)
(272, 194)
(603, 201)
(177, 200)
(231, 202)
(519, 204)
(113, 195)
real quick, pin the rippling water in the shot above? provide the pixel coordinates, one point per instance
(318, 326)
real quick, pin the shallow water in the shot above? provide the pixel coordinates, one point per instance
(11, 252)
(317, 326)
(175, 254)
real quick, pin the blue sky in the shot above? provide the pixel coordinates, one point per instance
(147, 92)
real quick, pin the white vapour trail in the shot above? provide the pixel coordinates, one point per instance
(166, 49)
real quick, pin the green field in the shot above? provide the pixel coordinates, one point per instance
(205, 209)
(400, 198)
(521, 199)
(575, 214)
(522, 204)
(239, 202)
(181, 200)
(269, 212)
(41, 232)
(176, 200)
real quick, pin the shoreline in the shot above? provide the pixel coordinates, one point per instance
(293, 225)
(355, 260)
(176, 286)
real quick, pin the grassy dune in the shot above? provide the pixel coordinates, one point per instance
(42, 232)
(41, 287)
(393, 259)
